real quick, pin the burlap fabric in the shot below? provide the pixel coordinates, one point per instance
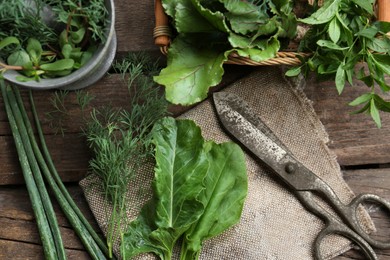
(274, 225)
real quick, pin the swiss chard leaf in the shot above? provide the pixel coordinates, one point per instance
(244, 16)
(191, 70)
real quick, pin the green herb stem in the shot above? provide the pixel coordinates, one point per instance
(44, 228)
(60, 184)
(80, 229)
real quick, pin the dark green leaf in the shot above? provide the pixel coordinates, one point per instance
(244, 16)
(379, 45)
(382, 62)
(18, 58)
(324, 14)
(8, 41)
(366, 5)
(369, 32)
(330, 45)
(258, 55)
(78, 35)
(66, 50)
(59, 65)
(381, 103)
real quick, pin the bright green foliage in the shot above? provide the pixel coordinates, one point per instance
(42, 52)
(199, 191)
(343, 33)
(208, 31)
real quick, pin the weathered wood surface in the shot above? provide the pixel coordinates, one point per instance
(354, 138)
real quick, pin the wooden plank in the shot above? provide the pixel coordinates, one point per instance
(376, 181)
(355, 139)
(134, 25)
(69, 151)
(20, 234)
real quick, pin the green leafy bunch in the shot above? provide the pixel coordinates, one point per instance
(208, 31)
(58, 53)
(343, 34)
(199, 192)
(121, 138)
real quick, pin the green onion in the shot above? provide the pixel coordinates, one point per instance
(34, 163)
(24, 153)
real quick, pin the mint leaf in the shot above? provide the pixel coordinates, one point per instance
(334, 30)
(324, 14)
(367, 5)
(374, 112)
(361, 99)
(382, 62)
(8, 41)
(340, 78)
(293, 72)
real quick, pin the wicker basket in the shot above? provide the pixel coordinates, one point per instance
(162, 37)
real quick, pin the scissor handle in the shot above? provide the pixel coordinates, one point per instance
(355, 223)
(333, 226)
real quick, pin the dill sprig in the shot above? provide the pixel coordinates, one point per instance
(121, 140)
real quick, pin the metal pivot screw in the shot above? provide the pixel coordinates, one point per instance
(289, 168)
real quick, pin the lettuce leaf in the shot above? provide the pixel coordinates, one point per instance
(226, 189)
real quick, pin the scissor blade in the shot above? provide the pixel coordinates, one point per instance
(239, 120)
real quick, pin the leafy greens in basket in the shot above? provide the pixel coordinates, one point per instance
(208, 31)
(199, 191)
(343, 33)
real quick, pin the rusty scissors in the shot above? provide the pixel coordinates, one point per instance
(240, 121)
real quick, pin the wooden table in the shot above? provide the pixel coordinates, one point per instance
(362, 150)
